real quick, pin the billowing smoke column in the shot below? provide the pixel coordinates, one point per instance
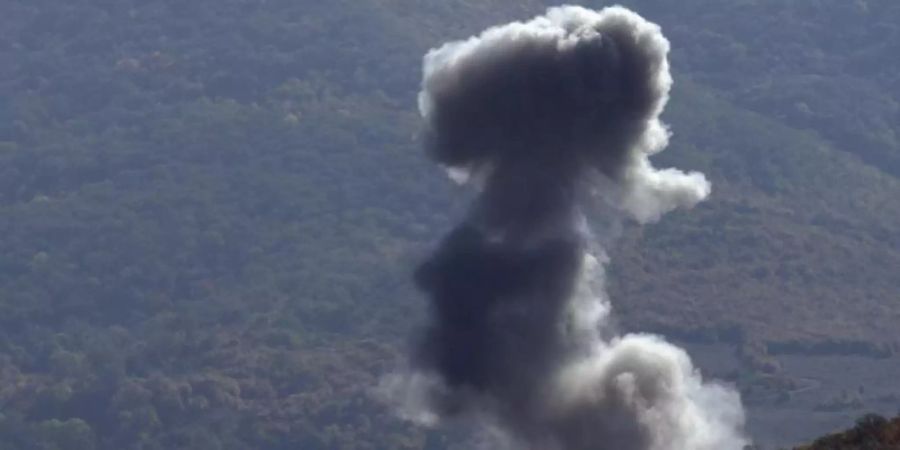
(546, 118)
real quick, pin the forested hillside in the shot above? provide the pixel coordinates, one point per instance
(210, 209)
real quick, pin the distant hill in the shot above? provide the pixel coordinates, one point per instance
(210, 209)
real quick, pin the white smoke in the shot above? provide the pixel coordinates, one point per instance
(651, 379)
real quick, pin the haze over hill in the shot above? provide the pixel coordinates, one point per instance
(211, 209)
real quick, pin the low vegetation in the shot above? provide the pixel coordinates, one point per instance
(872, 432)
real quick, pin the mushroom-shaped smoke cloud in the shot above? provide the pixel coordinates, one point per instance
(545, 117)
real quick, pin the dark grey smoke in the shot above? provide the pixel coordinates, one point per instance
(546, 117)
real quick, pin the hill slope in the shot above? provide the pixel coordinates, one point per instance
(871, 432)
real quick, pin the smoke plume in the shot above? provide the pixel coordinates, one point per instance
(547, 118)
